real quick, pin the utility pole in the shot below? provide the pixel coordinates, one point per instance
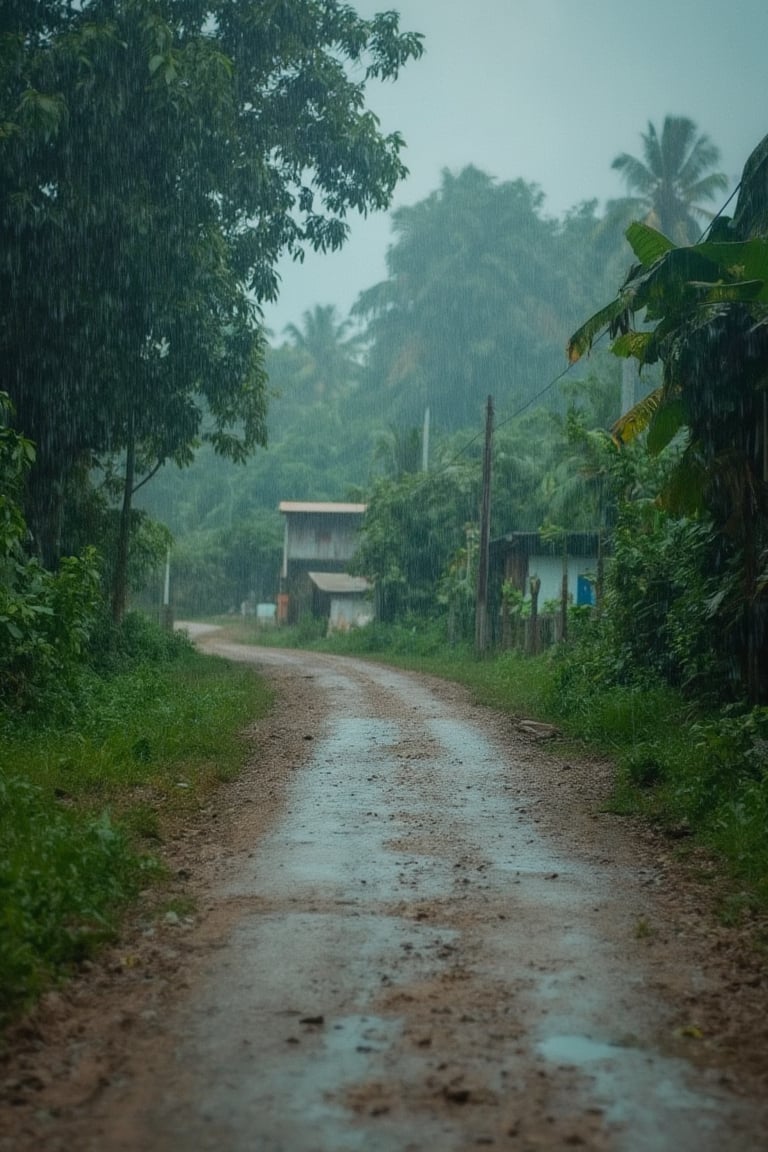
(425, 442)
(628, 385)
(167, 610)
(481, 602)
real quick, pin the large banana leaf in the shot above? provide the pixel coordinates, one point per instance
(671, 279)
(648, 244)
(636, 344)
(744, 260)
(637, 419)
(666, 423)
(582, 340)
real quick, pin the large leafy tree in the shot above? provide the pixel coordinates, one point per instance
(671, 184)
(707, 305)
(158, 156)
(480, 283)
(413, 527)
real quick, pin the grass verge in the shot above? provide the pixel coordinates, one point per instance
(82, 810)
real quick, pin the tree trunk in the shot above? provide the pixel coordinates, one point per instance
(535, 587)
(120, 575)
(44, 512)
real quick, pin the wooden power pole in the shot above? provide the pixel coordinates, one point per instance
(481, 602)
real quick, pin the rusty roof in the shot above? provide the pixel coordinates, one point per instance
(308, 506)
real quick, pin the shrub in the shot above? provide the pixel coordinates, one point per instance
(45, 623)
(63, 880)
(137, 639)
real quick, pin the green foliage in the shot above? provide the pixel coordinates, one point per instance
(514, 600)
(656, 610)
(45, 618)
(45, 622)
(81, 806)
(136, 640)
(225, 136)
(412, 639)
(709, 307)
(708, 776)
(480, 285)
(149, 543)
(216, 570)
(412, 529)
(64, 878)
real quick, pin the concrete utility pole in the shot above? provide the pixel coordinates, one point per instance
(628, 385)
(167, 610)
(481, 602)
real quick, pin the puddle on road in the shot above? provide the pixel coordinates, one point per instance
(576, 1050)
(351, 814)
(643, 1094)
(285, 1034)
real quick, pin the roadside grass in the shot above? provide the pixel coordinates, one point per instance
(701, 776)
(508, 681)
(83, 810)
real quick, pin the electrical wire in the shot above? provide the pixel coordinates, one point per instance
(547, 387)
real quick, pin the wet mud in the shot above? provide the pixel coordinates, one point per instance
(417, 965)
(431, 947)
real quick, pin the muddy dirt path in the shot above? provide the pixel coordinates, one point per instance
(417, 929)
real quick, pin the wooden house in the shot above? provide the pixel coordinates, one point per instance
(319, 541)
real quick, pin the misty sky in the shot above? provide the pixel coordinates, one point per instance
(549, 91)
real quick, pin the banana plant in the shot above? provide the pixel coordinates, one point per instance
(704, 311)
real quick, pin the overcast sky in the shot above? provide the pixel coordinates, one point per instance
(549, 91)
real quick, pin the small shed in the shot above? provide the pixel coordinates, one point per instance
(518, 556)
(343, 600)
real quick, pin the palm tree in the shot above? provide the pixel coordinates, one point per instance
(399, 451)
(328, 357)
(675, 175)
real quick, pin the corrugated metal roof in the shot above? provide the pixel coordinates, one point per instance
(338, 582)
(306, 506)
(530, 543)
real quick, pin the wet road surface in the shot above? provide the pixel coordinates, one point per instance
(413, 964)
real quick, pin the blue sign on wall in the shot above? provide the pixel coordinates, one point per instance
(585, 590)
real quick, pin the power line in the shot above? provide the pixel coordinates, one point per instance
(556, 380)
(719, 212)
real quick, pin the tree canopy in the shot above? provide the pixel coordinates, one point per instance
(481, 286)
(670, 185)
(158, 156)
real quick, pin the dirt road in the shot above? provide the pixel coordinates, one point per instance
(417, 928)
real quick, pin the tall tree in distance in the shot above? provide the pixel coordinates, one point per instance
(480, 283)
(327, 362)
(674, 179)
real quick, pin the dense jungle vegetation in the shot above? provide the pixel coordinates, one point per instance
(144, 406)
